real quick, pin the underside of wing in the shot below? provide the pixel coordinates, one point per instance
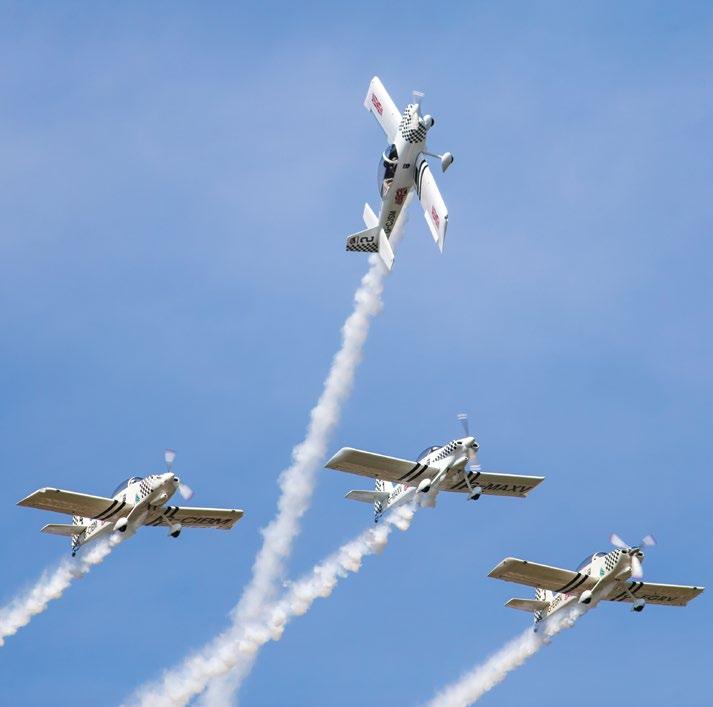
(533, 574)
(367, 496)
(665, 594)
(75, 504)
(526, 604)
(190, 517)
(434, 208)
(379, 103)
(63, 529)
(494, 484)
(379, 466)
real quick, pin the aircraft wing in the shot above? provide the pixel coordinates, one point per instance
(379, 466)
(533, 574)
(495, 484)
(434, 208)
(191, 517)
(666, 594)
(379, 103)
(74, 504)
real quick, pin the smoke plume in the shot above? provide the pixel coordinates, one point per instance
(484, 677)
(235, 651)
(50, 586)
(296, 485)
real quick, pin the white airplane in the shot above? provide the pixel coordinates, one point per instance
(403, 166)
(135, 502)
(614, 576)
(451, 467)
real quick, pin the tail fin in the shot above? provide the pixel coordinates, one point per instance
(382, 487)
(378, 497)
(82, 524)
(372, 239)
(536, 606)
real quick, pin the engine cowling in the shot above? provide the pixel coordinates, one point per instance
(586, 597)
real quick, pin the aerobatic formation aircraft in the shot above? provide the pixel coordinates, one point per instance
(450, 467)
(615, 576)
(402, 167)
(135, 502)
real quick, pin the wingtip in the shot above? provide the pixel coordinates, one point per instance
(330, 464)
(497, 570)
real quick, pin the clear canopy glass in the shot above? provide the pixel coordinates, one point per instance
(124, 484)
(387, 169)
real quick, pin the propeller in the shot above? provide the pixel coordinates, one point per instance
(463, 419)
(416, 97)
(184, 489)
(472, 453)
(637, 570)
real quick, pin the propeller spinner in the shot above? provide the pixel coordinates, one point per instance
(635, 553)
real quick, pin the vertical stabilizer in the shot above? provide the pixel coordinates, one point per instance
(76, 540)
(379, 505)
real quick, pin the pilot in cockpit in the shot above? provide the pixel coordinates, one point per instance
(387, 169)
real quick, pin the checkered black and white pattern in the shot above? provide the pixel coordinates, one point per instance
(144, 488)
(356, 247)
(407, 133)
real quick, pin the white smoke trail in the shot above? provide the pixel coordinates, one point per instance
(298, 480)
(51, 585)
(474, 684)
(236, 649)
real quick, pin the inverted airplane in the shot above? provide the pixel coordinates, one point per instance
(450, 467)
(135, 502)
(613, 576)
(402, 167)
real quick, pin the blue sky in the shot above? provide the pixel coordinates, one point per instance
(177, 184)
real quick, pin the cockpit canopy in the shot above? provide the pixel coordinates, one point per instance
(124, 484)
(589, 559)
(427, 451)
(387, 169)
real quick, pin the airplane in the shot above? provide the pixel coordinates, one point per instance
(613, 576)
(135, 502)
(450, 467)
(403, 166)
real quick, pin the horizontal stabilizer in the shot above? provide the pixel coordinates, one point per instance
(64, 529)
(386, 252)
(367, 496)
(370, 218)
(366, 241)
(526, 604)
